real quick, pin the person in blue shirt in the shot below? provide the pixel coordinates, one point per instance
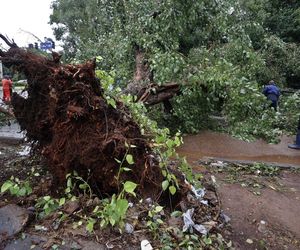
(272, 92)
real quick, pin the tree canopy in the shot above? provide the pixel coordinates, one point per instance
(221, 52)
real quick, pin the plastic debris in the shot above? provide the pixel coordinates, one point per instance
(204, 202)
(130, 204)
(40, 228)
(218, 164)
(249, 241)
(199, 193)
(262, 226)
(145, 245)
(189, 224)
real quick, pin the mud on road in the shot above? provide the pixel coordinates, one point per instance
(252, 187)
(262, 202)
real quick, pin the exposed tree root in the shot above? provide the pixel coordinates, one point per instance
(75, 128)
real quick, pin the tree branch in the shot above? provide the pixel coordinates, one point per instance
(11, 44)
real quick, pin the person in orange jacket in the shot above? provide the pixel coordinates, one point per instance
(6, 87)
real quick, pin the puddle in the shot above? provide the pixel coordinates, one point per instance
(218, 145)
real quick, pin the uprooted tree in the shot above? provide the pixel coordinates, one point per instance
(73, 126)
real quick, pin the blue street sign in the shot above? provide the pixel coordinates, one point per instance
(46, 45)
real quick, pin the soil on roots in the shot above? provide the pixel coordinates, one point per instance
(67, 116)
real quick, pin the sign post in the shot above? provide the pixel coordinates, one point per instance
(48, 44)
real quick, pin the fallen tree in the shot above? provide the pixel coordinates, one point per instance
(71, 123)
(67, 116)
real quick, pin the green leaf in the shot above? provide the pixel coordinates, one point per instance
(83, 186)
(160, 221)
(158, 209)
(172, 190)
(47, 198)
(194, 237)
(103, 223)
(112, 102)
(118, 161)
(69, 182)
(177, 141)
(14, 189)
(176, 214)
(62, 201)
(90, 225)
(169, 143)
(129, 187)
(126, 169)
(129, 159)
(22, 191)
(6, 185)
(165, 185)
(112, 221)
(207, 241)
(122, 206)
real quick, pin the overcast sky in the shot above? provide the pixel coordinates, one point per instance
(28, 15)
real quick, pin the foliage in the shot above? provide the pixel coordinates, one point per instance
(74, 182)
(258, 169)
(284, 19)
(112, 211)
(289, 108)
(221, 51)
(47, 204)
(165, 30)
(16, 187)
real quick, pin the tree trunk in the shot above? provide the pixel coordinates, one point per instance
(144, 87)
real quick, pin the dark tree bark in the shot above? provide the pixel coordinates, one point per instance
(144, 87)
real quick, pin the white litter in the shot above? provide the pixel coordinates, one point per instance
(189, 224)
(145, 245)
